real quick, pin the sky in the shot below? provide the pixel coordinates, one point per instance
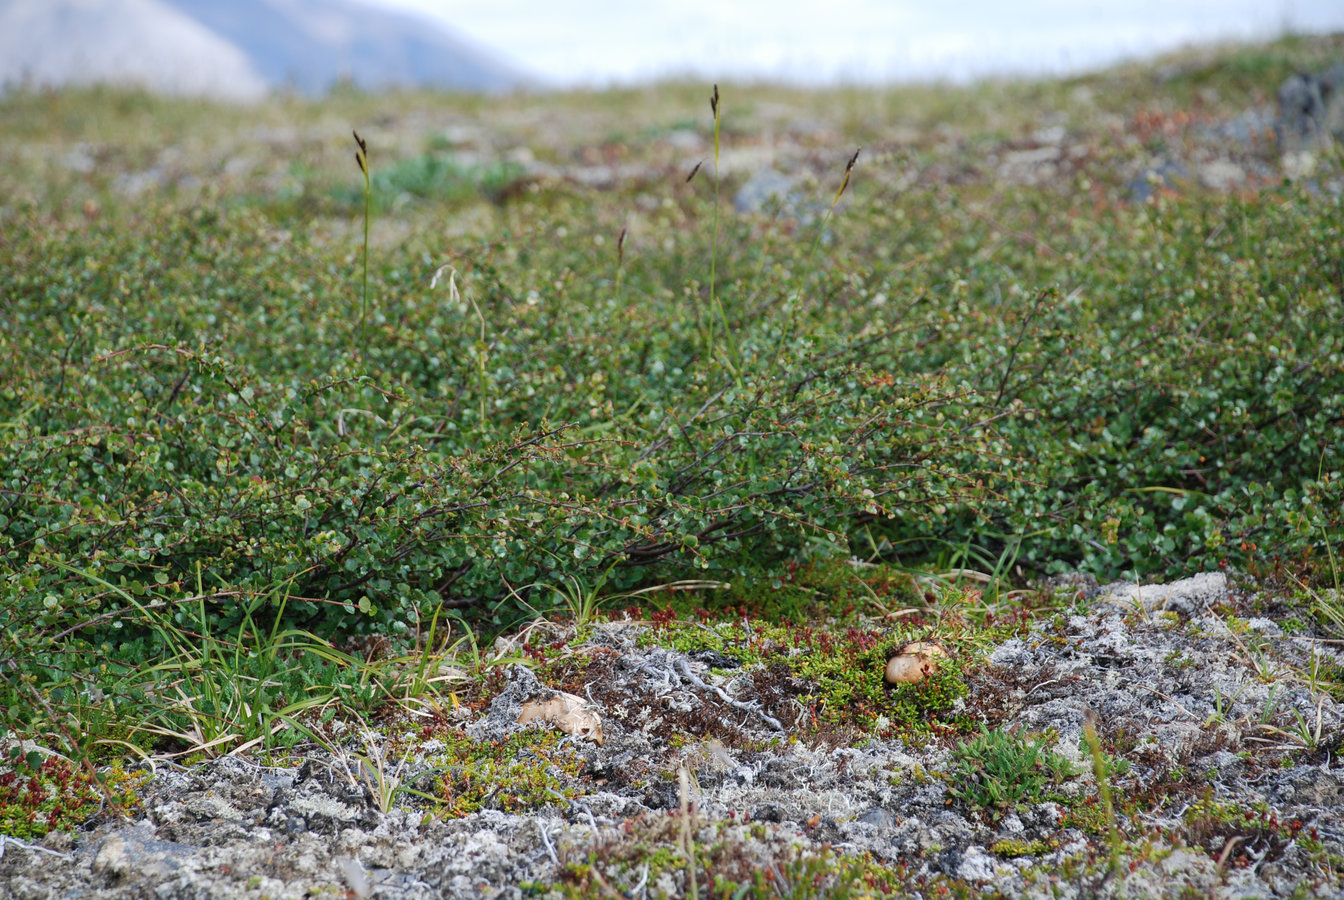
(598, 42)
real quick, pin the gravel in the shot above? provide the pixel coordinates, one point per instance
(1205, 700)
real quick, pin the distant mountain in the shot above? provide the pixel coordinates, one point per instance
(310, 44)
(236, 49)
(47, 43)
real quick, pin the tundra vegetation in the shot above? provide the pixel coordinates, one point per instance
(287, 442)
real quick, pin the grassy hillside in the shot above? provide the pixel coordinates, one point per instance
(1039, 327)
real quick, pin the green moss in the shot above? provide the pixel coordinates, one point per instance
(1088, 815)
(844, 664)
(525, 771)
(39, 794)
(847, 669)
(1010, 848)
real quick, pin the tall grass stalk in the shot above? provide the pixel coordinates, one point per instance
(362, 157)
(620, 264)
(714, 245)
(482, 348)
(688, 829)
(1327, 604)
(716, 302)
(1101, 771)
(835, 201)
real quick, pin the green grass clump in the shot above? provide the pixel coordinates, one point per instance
(998, 772)
(436, 177)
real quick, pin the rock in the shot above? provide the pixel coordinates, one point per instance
(1301, 113)
(135, 852)
(1013, 652)
(685, 140)
(1220, 175)
(1251, 129)
(877, 817)
(977, 866)
(1311, 110)
(1035, 165)
(1298, 164)
(1184, 597)
(1167, 175)
(764, 188)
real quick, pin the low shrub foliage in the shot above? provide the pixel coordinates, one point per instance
(193, 394)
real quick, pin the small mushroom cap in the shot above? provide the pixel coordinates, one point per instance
(571, 714)
(914, 662)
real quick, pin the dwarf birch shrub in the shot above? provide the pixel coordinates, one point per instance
(246, 443)
(1173, 403)
(1132, 388)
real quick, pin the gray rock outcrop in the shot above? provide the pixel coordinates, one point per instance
(1311, 110)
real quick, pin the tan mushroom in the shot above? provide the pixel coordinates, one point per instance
(571, 714)
(914, 662)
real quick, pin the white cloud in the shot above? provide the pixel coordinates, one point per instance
(594, 41)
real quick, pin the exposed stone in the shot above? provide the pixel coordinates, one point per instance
(765, 188)
(1184, 597)
(1156, 667)
(1311, 110)
(1221, 175)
